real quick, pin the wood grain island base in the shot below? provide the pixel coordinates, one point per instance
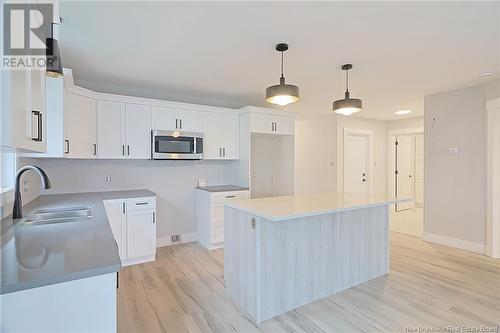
(284, 252)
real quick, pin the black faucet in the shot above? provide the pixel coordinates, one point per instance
(17, 211)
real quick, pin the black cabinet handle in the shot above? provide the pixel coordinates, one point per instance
(154, 217)
(123, 150)
(123, 204)
(176, 123)
(95, 148)
(66, 142)
(141, 203)
(230, 196)
(38, 115)
(128, 150)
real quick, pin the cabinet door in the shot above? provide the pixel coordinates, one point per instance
(115, 210)
(284, 125)
(141, 234)
(261, 123)
(212, 128)
(138, 131)
(79, 126)
(38, 123)
(110, 129)
(231, 136)
(164, 119)
(190, 121)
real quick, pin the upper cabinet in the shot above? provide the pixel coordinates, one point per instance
(123, 130)
(172, 119)
(272, 124)
(80, 140)
(23, 110)
(221, 136)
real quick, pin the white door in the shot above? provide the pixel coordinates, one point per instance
(190, 121)
(212, 148)
(79, 126)
(111, 129)
(405, 163)
(138, 131)
(357, 161)
(140, 234)
(115, 210)
(231, 136)
(164, 119)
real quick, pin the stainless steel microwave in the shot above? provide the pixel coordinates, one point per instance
(176, 145)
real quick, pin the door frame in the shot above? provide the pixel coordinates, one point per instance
(359, 132)
(492, 242)
(391, 136)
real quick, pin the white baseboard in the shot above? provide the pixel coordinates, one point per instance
(454, 242)
(185, 238)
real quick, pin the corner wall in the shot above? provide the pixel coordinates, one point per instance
(455, 184)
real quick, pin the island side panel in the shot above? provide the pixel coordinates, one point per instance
(361, 246)
(240, 260)
(296, 258)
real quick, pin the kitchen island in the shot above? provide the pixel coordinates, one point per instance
(284, 252)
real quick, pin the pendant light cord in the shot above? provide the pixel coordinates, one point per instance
(347, 80)
(281, 63)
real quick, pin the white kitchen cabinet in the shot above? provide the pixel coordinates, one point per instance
(210, 215)
(23, 110)
(80, 140)
(171, 119)
(117, 216)
(138, 131)
(231, 136)
(133, 223)
(124, 130)
(140, 233)
(271, 124)
(220, 136)
(110, 130)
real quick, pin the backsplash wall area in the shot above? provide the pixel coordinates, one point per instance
(172, 181)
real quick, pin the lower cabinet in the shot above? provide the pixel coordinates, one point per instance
(133, 223)
(210, 215)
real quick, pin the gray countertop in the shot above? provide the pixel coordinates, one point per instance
(39, 255)
(222, 188)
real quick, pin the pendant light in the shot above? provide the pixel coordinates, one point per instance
(282, 94)
(53, 56)
(348, 105)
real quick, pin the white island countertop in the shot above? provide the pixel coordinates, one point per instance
(297, 206)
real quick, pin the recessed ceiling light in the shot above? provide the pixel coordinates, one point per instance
(486, 75)
(403, 112)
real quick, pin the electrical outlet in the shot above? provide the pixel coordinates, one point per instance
(219, 174)
(108, 179)
(26, 187)
(175, 239)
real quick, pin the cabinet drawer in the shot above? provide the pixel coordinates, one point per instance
(225, 196)
(141, 204)
(217, 233)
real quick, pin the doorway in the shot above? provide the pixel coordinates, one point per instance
(357, 160)
(406, 179)
(492, 247)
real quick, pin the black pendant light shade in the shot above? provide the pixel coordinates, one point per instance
(282, 94)
(348, 105)
(54, 65)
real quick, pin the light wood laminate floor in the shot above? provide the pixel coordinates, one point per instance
(428, 286)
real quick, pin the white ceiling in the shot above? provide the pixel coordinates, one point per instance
(222, 53)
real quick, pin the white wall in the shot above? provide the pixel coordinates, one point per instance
(455, 185)
(316, 154)
(406, 123)
(172, 181)
(379, 150)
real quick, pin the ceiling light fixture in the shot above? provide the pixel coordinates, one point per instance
(402, 112)
(53, 66)
(282, 94)
(348, 105)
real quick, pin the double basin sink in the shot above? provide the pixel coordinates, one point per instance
(59, 215)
